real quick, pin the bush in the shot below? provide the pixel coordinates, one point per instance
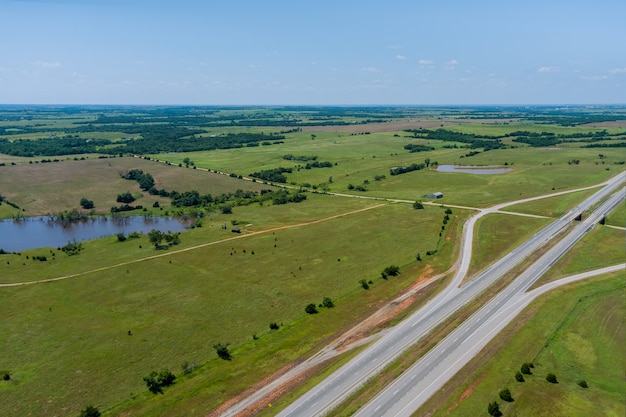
(526, 368)
(89, 411)
(392, 270)
(311, 309)
(551, 378)
(86, 204)
(7, 377)
(274, 326)
(494, 409)
(328, 302)
(583, 384)
(364, 284)
(519, 377)
(418, 205)
(505, 395)
(156, 381)
(222, 351)
(121, 237)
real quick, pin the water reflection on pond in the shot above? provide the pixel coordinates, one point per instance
(473, 169)
(38, 232)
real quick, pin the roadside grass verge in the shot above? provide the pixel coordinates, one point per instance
(601, 247)
(552, 206)
(497, 234)
(618, 216)
(74, 332)
(575, 332)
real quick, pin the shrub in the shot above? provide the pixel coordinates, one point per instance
(86, 204)
(7, 377)
(89, 411)
(392, 270)
(311, 309)
(494, 409)
(418, 205)
(505, 395)
(519, 377)
(157, 380)
(526, 368)
(551, 378)
(583, 384)
(328, 302)
(121, 237)
(222, 351)
(364, 284)
(274, 326)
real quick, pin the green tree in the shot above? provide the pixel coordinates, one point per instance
(583, 384)
(392, 270)
(86, 204)
(364, 284)
(328, 302)
(418, 205)
(519, 377)
(126, 198)
(222, 351)
(494, 409)
(155, 236)
(311, 309)
(89, 411)
(505, 395)
(551, 378)
(526, 368)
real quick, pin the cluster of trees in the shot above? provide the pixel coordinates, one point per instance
(413, 147)
(404, 169)
(72, 248)
(390, 271)
(327, 302)
(145, 180)
(86, 203)
(51, 146)
(156, 237)
(273, 175)
(318, 164)
(303, 158)
(474, 141)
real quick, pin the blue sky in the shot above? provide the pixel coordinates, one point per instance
(432, 52)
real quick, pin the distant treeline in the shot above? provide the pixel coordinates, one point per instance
(474, 141)
(154, 139)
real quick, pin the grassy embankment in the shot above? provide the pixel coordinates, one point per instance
(577, 333)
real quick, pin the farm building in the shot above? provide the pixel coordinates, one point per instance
(438, 194)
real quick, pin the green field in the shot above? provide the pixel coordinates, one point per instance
(66, 344)
(577, 333)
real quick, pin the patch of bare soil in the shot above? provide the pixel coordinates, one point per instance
(617, 123)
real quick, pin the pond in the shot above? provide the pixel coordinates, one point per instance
(474, 169)
(39, 232)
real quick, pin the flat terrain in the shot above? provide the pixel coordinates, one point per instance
(124, 309)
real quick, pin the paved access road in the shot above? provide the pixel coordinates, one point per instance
(337, 387)
(408, 392)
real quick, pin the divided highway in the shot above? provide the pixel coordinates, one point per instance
(345, 381)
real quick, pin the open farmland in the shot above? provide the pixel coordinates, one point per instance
(124, 308)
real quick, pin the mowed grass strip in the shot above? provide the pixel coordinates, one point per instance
(576, 333)
(497, 234)
(69, 339)
(602, 247)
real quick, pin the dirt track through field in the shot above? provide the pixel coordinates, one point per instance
(260, 232)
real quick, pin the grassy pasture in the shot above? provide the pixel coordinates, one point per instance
(361, 157)
(576, 333)
(618, 216)
(552, 206)
(75, 331)
(54, 187)
(498, 129)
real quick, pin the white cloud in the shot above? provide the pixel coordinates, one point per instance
(618, 71)
(548, 69)
(450, 65)
(400, 57)
(595, 77)
(45, 64)
(370, 69)
(3, 69)
(425, 62)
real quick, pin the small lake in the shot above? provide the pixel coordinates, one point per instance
(40, 232)
(473, 169)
